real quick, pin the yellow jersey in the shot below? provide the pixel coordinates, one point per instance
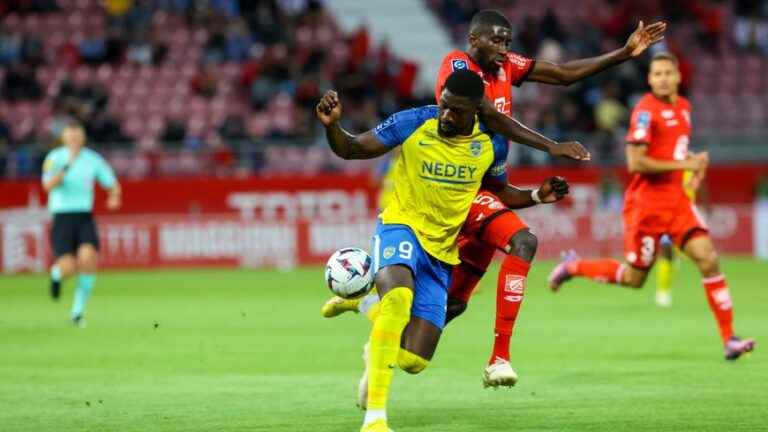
(436, 178)
(386, 171)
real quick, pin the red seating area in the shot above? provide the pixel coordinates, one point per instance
(142, 96)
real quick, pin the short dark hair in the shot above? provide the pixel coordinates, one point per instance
(485, 20)
(665, 55)
(71, 122)
(466, 83)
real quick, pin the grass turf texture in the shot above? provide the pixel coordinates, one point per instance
(248, 350)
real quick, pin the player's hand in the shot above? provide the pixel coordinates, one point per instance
(553, 189)
(643, 37)
(699, 161)
(695, 182)
(113, 202)
(329, 108)
(571, 150)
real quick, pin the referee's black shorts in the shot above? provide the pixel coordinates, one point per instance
(70, 230)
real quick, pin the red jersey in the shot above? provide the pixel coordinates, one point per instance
(666, 129)
(498, 87)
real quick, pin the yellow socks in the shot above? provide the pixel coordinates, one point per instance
(394, 313)
(664, 276)
(370, 305)
(411, 362)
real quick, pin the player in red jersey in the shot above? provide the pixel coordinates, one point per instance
(656, 203)
(490, 226)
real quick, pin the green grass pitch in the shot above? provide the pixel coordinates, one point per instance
(211, 350)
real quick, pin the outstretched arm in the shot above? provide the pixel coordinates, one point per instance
(553, 189)
(576, 70)
(344, 144)
(638, 162)
(518, 132)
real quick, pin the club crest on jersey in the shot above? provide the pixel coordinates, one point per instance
(643, 119)
(459, 64)
(389, 251)
(476, 148)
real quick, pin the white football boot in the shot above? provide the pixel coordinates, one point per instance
(664, 299)
(499, 374)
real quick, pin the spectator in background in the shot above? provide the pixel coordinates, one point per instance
(222, 156)
(238, 43)
(32, 51)
(115, 45)
(139, 50)
(117, 10)
(610, 114)
(147, 49)
(228, 8)
(173, 135)
(10, 47)
(93, 48)
(275, 77)
(233, 131)
(750, 31)
(29, 6)
(215, 50)
(265, 21)
(20, 84)
(205, 83)
(104, 129)
(6, 138)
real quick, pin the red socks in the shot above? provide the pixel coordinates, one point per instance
(719, 299)
(601, 270)
(510, 288)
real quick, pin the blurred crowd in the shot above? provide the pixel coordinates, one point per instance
(284, 54)
(597, 109)
(262, 65)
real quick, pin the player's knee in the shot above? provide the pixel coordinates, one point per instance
(708, 263)
(397, 304)
(87, 259)
(524, 245)
(634, 278)
(67, 266)
(455, 308)
(410, 362)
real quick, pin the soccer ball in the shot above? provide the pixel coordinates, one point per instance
(348, 272)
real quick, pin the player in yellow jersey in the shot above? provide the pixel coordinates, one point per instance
(446, 155)
(666, 263)
(384, 178)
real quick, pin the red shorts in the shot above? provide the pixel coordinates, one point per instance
(644, 226)
(489, 227)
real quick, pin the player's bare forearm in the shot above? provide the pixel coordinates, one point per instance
(115, 190)
(520, 133)
(344, 144)
(348, 146)
(515, 198)
(576, 70)
(54, 181)
(638, 162)
(643, 164)
(513, 129)
(552, 189)
(114, 198)
(572, 71)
